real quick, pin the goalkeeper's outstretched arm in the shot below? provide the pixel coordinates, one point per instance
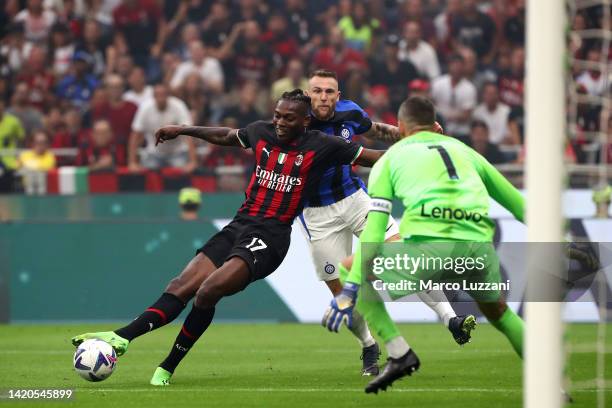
(500, 189)
(381, 191)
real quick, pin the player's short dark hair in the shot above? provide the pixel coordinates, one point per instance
(323, 73)
(297, 96)
(418, 110)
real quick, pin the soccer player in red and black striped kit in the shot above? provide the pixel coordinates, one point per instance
(290, 161)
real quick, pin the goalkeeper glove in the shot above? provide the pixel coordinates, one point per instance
(341, 308)
(585, 254)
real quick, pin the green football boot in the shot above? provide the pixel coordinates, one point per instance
(161, 377)
(117, 342)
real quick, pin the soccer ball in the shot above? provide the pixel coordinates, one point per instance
(94, 360)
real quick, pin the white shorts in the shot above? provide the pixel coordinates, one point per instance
(329, 231)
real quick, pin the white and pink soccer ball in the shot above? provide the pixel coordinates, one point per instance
(94, 360)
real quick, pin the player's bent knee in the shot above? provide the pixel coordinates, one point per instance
(207, 296)
(210, 292)
(181, 289)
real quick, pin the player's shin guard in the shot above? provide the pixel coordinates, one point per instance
(195, 325)
(513, 328)
(437, 301)
(162, 312)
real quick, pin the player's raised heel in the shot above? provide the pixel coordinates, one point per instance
(394, 370)
(161, 377)
(461, 328)
(117, 342)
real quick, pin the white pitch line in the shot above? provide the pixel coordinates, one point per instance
(308, 390)
(305, 390)
(250, 351)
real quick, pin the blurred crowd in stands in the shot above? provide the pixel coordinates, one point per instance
(87, 82)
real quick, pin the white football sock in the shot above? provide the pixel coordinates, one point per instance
(361, 331)
(397, 347)
(437, 301)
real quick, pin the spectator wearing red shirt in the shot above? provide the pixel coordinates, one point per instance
(118, 112)
(279, 39)
(69, 133)
(39, 79)
(511, 82)
(337, 57)
(100, 153)
(141, 25)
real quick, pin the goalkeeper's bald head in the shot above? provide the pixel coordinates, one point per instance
(415, 114)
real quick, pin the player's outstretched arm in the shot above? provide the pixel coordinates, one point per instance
(500, 189)
(221, 136)
(381, 191)
(391, 134)
(383, 132)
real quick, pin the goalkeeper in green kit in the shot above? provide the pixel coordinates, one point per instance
(445, 187)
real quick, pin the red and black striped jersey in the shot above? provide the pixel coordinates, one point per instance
(287, 175)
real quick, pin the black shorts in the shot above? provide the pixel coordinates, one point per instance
(261, 243)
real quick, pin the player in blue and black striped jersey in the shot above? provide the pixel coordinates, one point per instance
(340, 182)
(338, 210)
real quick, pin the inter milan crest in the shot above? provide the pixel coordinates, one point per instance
(282, 157)
(299, 159)
(345, 133)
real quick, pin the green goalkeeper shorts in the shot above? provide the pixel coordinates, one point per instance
(425, 263)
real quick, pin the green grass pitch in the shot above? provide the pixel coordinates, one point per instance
(280, 365)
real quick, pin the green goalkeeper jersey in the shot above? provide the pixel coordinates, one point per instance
(444, 186)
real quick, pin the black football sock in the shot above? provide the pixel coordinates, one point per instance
(195, 325)
(162, 312)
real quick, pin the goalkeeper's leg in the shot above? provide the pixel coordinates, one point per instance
(506, 321)
(492, 304)
(459, 326)
(402, 360)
